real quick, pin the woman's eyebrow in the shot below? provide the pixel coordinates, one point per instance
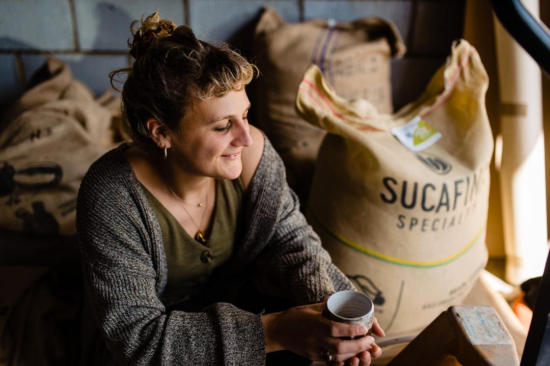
(228, 116)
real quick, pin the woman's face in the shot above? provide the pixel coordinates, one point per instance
(213, 135)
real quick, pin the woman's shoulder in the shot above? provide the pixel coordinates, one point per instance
(110, 172)
(252, 155)
(110, 200)
(261, 162)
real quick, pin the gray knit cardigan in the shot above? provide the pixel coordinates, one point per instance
(124, 267)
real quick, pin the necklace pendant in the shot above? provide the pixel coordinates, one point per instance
(199, 205)
(200, 237)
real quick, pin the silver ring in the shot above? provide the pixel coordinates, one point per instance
(326, 356)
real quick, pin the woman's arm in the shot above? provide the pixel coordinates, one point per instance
(122, 267)
(291, 262)
(294, 264)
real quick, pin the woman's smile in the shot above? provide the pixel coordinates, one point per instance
(234, 156)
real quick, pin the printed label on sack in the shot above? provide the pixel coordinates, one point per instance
(430, 206)
(416, 135)
(483, 326)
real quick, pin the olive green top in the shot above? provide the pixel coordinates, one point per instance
(189, 262)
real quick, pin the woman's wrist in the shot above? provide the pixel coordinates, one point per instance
(272, 333)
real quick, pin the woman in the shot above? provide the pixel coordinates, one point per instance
(194, 207)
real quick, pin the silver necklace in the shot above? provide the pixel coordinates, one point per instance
(200, 204)
(199, 236)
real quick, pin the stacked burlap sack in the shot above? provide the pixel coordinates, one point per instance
(48, 140)
(355, 58)
(400, 201)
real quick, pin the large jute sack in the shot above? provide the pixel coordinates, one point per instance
(47, 143)
(408, 227)
(355, 58)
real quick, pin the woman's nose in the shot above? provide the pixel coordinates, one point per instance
(242, 134)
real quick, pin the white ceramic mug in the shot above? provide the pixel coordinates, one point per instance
(351, 307)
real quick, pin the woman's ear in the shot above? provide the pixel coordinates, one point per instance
(159, 133)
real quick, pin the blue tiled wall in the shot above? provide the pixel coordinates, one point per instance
(91, 35)
(36, 25)
(104, 25)
(217, 20)
(93, 69)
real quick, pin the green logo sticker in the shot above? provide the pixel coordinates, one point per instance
(416, 135)
(422, 132)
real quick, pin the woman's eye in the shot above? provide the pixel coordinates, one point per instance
(225, 128)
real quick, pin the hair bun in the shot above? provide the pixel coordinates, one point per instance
(152, 28)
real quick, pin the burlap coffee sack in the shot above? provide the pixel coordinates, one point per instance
(355, 58)
(407, 227)
(45, 150)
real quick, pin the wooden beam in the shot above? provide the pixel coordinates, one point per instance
(474, 335)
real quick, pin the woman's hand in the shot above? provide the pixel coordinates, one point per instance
(305, 331)
(364, 358)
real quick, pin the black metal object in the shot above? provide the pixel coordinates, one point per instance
(537, 347)
(525, 29)
(533, 37)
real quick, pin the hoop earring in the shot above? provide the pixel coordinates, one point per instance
(165, 153)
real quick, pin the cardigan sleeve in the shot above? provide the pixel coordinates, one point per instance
(293, 263)
(121, 279)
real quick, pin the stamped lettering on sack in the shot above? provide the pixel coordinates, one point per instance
(416, 135)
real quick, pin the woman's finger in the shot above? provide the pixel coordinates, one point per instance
(344, 357)
(375, 351)
(354, 346)
(377, 329)
(365, 359)
(337, 330)
(354, 361)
